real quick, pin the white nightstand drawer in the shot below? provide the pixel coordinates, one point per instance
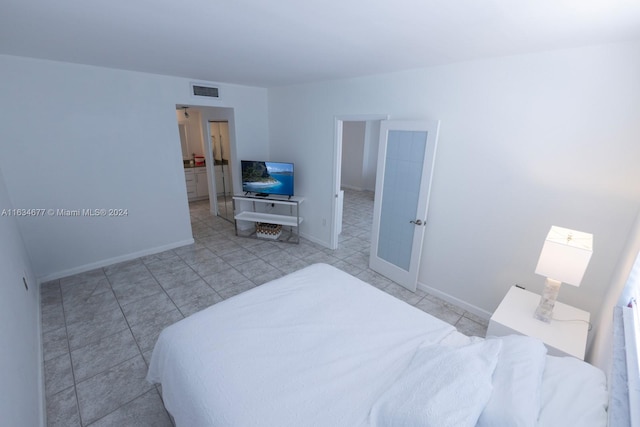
(566, 336)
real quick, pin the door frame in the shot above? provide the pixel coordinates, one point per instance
(336, 217)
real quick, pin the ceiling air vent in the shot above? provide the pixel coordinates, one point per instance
(208, 91)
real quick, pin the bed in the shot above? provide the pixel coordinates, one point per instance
(319, 347)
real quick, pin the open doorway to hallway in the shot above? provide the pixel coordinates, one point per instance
(356, 159)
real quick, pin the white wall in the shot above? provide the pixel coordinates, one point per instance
(353, 134)
(526, 142)
(371, 143)
(76, 136)
(20, 357)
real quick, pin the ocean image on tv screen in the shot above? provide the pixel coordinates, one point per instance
(267, 177)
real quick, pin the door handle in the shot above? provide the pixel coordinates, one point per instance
(416, 222)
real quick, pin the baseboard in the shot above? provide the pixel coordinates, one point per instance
(351, 187)
(484, 314)
(315, 240)
(114, 260)
(41, 386)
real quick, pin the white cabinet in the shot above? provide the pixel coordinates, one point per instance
(254, 214)
(197, 183)
(190, 178)
(202, 185)
(566, 335)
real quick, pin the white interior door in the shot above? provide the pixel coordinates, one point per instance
(405, 168)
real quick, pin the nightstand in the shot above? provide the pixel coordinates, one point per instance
(514, 315)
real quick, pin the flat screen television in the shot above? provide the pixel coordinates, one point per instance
(267, 178)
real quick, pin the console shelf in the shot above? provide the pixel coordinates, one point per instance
(249, 210)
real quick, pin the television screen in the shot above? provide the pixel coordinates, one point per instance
(264, 178)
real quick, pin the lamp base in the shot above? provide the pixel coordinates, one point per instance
(544, 311)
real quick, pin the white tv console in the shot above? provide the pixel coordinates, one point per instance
(249, 210)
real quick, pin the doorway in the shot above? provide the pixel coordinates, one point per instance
(193, 149)
(198, 119)
(357, 137)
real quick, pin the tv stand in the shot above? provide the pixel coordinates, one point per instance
(249, 194)
(281, 210)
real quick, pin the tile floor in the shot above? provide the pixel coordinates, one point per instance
(99, 327)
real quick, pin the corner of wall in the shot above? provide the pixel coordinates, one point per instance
(22, 363)
(600, 351)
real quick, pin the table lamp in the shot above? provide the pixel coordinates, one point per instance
(564, 259)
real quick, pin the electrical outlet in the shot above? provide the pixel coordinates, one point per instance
(25, 283)
(324, 222)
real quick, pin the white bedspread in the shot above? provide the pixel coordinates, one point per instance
(252, 361)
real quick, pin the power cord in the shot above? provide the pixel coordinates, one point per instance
(575, 320)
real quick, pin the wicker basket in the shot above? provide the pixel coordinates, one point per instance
(265, 230)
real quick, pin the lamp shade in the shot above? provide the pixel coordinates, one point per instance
(565, 255)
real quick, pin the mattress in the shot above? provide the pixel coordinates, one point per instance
(317, 347)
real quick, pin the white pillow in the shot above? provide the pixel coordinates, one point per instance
(442, 387)
(517, 382)
(574, 393)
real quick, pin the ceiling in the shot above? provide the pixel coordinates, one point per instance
(283, 42)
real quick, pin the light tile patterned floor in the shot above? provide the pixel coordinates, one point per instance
(99, 327)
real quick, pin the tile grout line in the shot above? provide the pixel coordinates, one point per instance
(140, 354)
(73, 374)
(125, 316)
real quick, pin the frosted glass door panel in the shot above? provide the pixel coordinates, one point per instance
(401, 188)
(406, 157)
